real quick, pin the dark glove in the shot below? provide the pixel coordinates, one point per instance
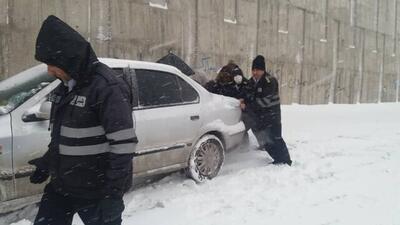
(40, 175)
(110, 209)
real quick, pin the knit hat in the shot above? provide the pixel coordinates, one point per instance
(258, 63)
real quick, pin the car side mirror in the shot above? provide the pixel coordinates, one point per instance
(40, 113)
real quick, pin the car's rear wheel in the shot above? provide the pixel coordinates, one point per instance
(206, 158)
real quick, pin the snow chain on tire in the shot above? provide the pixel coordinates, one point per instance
(206, 158)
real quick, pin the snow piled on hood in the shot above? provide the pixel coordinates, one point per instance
(345, 171)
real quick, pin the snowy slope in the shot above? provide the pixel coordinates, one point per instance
(346, 171)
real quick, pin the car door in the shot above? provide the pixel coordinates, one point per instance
(30, 134)
(167, 121)
(6, 173)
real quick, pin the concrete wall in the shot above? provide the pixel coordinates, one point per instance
(341, 51)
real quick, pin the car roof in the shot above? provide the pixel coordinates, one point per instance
(121, 63)
(111, 62)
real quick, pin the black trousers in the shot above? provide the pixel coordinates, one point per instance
(56, 209)
(271, 139)
(249, 120)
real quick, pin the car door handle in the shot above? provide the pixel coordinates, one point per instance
(196, 117)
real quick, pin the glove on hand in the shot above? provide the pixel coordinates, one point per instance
(40, 175)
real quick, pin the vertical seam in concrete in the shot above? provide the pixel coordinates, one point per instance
(381, 70)
(7, 12)
(196, 31)
(326, 18)
(181, 52)
(351, 13)
(353, 21)
(377, 8)
(89, 20)
(287, 16)
(332, 89)
(278, 17)
(395, 29)
(189, 49)
(361, 66)
(109, 28)
(236, 12)
(40, 12)
(386, 11)
(7, 41)
(302, 56)
(278, 28)
(257, 25)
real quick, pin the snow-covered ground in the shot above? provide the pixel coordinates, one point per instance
(346, 171)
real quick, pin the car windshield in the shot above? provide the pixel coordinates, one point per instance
(17, 89)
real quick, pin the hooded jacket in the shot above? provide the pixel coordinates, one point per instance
(92, 135)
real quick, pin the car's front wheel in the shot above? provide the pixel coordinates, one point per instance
(206, 158)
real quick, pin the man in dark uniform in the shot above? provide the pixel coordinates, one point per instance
(262, 106)
(92, 143)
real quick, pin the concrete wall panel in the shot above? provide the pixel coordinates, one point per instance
(3, 38)
(321, 50)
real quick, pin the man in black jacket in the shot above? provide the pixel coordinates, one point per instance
(92, 143)
(262, 105)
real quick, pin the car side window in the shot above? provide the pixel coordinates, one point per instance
(188, 93)
(157, 88)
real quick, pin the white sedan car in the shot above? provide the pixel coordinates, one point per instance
(179, 124)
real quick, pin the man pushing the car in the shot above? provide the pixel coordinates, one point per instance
(89, 159)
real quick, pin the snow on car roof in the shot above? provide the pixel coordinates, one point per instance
(121, 63)
(38, 70)
(111, 62)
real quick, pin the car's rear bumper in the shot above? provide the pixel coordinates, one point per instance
(233, 135)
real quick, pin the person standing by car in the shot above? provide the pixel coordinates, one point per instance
(239, 92)
(229, 82)
(89, 158)
(262, 103)
(239, 80)
(232, 83)
(223, 83)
